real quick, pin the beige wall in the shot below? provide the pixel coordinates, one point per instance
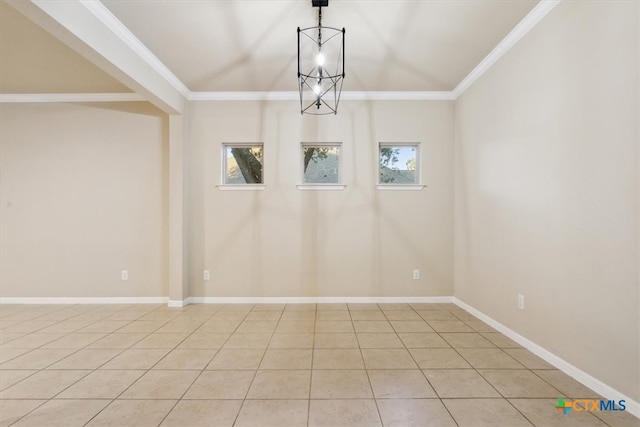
(356, 242)
(82, 197)
(547, 189)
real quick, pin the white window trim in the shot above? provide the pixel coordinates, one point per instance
(223, 176)
(401, 187)
(321, 186)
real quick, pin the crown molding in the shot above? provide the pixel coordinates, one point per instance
(8, 98)
(345, 96)
(519, 31)
(105, 16)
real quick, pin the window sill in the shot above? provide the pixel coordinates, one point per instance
(401, 187)
(241, 187)
(334, 187)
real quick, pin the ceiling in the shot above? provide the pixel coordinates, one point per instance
(250, 45)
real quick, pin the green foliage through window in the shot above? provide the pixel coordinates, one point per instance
(397, 164)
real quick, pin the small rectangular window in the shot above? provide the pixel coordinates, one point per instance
(399, 164)
(242, 164)
(320, 163)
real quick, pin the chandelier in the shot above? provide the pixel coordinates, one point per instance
(320, 66)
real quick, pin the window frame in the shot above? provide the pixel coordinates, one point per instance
(240, 186)
(417, 185)
(321, 185)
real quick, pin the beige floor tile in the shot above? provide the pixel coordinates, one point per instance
(105, 326)
(300, 307)
(287, 359)
(528, 359)
(436, 315)
(500, 340)
(6, 338)
(221, 385)
(247, 341)
(337, 359)
(567, 385)
(449, 326)
(133, 413)
(236, 359)
(485, 413)
(291, 341)
(32, 340)
(7, 354)
(397, 383)
(367, 315)
(291, 384)
(12, 410)
(86, 359)
(273, 413)
(423, 340)
(363, 306)
(467, 340)
(257, 327)
(42, 385)
(302, 326)
(479, 326)
(203, 413)
(161, 385)
(136, 358)
(340, 384)
(121, 341)
(618, 419)
(156, 340)
(344, 413)
(141, 326)
(414, 413)
(388, 358)
(333, 315)
(218, 326)
(186, 359)
(290, 316)
(187, 326)
(75, 340)
(204, 341)
(372, 326)
(459, 383)
(438, 358)
(11, 377)
(402, 315)
(489, 358)
(333, 326)
(63, 413)
(37, 358)
(106, 384)
(519, 383)
(379, 340)
(332, 307)
(336, 341)
(393, 306)
(30, 326)
(262, 315)
(540, 413)
(410, 326)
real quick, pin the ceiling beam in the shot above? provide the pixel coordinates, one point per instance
(92, 31)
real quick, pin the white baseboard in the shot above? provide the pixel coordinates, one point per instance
(315, 300)
(84, 300)
(579, 375)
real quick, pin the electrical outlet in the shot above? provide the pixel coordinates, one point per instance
(416, 274)
(124, 275)
(521, 301)
(206, 275)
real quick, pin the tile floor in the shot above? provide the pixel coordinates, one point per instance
(274, 365)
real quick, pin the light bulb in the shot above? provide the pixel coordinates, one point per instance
(320, 59)
(317, 89)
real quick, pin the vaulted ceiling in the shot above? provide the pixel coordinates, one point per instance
(250, 45)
